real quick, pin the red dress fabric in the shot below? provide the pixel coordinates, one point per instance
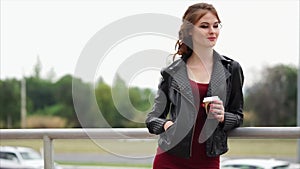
(199, 159)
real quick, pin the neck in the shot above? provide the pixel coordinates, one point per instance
(203, 54)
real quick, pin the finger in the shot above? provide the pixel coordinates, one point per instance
(217, 112)
(218, 102)
(216, 116)
(217, 106)
(219, 117)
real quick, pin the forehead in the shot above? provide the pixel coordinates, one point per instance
(209, 17)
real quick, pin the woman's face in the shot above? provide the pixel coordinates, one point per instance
(206, 31)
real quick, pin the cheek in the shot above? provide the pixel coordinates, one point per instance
(198, 34)
(217, 33)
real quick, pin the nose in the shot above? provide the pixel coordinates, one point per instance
(212, 30)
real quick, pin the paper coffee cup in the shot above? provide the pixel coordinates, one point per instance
(207, 101)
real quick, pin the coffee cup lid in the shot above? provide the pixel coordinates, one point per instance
(210, 99)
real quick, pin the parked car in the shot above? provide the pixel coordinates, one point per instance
(8, 164)
(258, 164)
(21, 158)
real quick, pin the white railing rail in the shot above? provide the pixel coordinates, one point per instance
(48, 135)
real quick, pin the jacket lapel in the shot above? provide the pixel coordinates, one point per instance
(180, 80)
(217, 85)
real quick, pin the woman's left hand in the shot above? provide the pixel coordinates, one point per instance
(217, 110)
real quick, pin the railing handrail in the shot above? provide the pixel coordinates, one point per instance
(48, 135)
(139, 133)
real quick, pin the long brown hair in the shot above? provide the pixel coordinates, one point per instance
(191, 16)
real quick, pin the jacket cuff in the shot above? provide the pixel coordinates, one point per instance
(157, 126)
(229, 121)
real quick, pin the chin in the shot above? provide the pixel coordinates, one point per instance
(211, 45)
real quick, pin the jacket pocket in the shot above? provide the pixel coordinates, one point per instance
(217, 144)
(169, 134)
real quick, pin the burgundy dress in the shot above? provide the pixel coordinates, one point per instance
(199, 159)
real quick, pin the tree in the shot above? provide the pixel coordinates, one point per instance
(10, 103)
(142, 101)
(273, 98)
(64, 101)
(40, 92)
(85, 104)
(106, 106)
(37, 68)
(122, 106)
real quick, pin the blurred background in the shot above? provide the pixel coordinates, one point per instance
(41, 42)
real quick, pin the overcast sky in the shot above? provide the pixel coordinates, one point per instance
(255, 33)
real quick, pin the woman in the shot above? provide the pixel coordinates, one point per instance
(190, 137)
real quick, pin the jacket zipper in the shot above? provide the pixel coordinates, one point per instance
(191, 142)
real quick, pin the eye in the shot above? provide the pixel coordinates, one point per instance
(217, 26)
(204, 26)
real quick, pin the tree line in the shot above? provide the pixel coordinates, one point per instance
(51, 104)
(270, 101)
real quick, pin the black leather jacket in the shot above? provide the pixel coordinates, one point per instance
(175, 101)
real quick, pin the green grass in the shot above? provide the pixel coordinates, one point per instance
(91, 146)
(263, 147)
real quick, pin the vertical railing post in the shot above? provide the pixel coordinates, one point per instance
(48, 153)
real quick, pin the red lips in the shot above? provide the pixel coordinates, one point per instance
(211, 38)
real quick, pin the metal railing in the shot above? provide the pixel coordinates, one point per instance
(48, 135)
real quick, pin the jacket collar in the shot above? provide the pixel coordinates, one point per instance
(217, 85)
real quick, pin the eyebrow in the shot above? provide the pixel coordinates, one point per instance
(208, 23)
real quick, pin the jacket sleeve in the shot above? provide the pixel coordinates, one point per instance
(156, 119)
(234, 112)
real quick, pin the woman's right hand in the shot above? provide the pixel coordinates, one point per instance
(168, 124)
